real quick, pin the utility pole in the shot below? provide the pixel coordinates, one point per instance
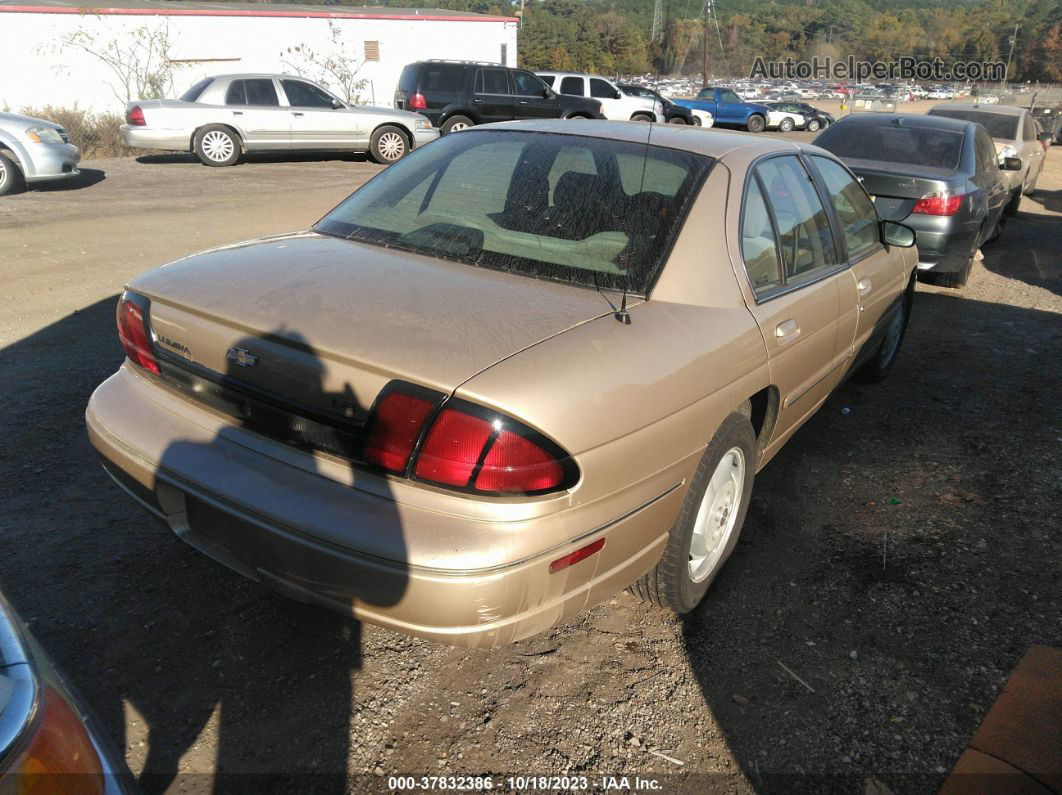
(657, 9)
(704, 65)
(1013, 38)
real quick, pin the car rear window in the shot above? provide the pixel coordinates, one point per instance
(997, 124)
(407, 82)
(586, 211)
(892, 143)
(193, 93)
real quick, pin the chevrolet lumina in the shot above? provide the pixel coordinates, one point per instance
(523, 368)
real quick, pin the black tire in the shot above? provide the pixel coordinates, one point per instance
(878, 366)
(813, 125)
(697, 121)
(1000, 226)
(1013, 205)
(217, 145)
(785, 125)
(955, 279)
(642, 117)
(670, 584)
(388, 144)
(756, 124)
(11, 178)
(676, 120)
(460, 122)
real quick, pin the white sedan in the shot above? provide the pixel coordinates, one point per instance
(783, 117)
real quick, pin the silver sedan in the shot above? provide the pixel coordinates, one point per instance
(33, 150)
(222, 117)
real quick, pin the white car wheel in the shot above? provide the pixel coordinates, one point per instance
(717, 516)
(218, 146)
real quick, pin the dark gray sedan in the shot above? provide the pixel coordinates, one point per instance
(939, 176)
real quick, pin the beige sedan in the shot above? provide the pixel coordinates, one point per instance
(526, 367)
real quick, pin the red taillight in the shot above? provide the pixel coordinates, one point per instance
(464, 446)
(417, 102)
(59, 756)
(580, 554)
(135, 116)
(938, 204)
(396, 424)
(133, 332)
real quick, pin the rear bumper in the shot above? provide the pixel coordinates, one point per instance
(944, 243)
(51, 161)
(153, 138)
(309, 537)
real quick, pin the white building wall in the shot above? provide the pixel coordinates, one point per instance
(37, 70)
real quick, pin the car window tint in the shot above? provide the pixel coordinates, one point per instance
(729, 96)
(492, 81)
(859, 220)
(915, 146)
(572, 85)
(803, 228)
(443, 77)
(408, 80)
(543, 205)
(549, 80)
(758, 245)
(600, 89)
(986, 152)
(236, 94)
(263, 92)
(193, 93)
(305, 95)
(997, 124)
(527, 85)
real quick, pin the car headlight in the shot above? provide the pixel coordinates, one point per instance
(422, 124)
(44, 135)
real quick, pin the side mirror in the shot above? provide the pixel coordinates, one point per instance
(617, 94)
(1010, 164)
(547, 92)
(337, 104)
(894, 234)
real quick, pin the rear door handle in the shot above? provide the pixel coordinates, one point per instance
(296, 113)
(787, 331)
(864, 287)
(237, 113)
(523, 101)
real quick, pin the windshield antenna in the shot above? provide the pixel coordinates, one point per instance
(621, 314)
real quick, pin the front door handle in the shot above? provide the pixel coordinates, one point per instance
(787, 331)
(864, 287)
(523, 101)
(237, 113)
(296, 113)
(477, 102)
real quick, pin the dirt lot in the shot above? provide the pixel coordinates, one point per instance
(900, 554)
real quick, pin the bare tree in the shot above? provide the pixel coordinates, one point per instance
(337, 69)
(138, 60)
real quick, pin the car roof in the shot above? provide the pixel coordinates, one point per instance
(999, 110)
(711, 142)
(257, 75)
(917, 120)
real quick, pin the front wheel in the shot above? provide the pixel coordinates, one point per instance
(11, 180)
(756, 124)
(813, 125)
(709, 521)
(785, 125)
(455, 124)
(217, 145)
(388, 144)
(641, 117)
(676, 120)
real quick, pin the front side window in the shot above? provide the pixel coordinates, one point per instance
(803, 226)
(492, 81)
(591, 212)
(859, 219)
(527, 85)
(728, 96)
(600, 89)
(306, 95)
(572, 85)
(759, 247)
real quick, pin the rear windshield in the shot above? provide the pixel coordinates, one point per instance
(586, 211)
(407, 83)
(192, 94)
(915, 146)
(442, 77)
(997, 124)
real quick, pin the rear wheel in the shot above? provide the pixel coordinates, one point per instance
(813, 125)
(456, 124)
(217, 145)
(756, 124)
(709, 521)
(785, 125)
(676, 120)
(388, 144)
(879, 365)
(11, 180)
(641, 117)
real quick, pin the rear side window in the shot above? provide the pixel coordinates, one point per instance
(572, 85)
(600, 89)
(261, 92)
(859, 219)
(304, 95)
(443, 77)
(803, 227)
(759, 248)
(193, 94)
(237, 94)
(492, 81)
(915, 146)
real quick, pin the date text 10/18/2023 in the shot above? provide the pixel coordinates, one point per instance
(523, 783)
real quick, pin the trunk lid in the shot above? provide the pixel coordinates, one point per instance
(318, 325)
(894, 190)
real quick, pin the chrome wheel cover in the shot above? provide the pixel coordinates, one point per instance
(459, 125)
(391, 146)
(217, 146)
(717, 516)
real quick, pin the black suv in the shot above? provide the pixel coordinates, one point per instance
(459, 94)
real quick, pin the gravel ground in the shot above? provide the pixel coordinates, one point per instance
(900, 553)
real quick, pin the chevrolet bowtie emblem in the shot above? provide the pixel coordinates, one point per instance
(242, 357)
